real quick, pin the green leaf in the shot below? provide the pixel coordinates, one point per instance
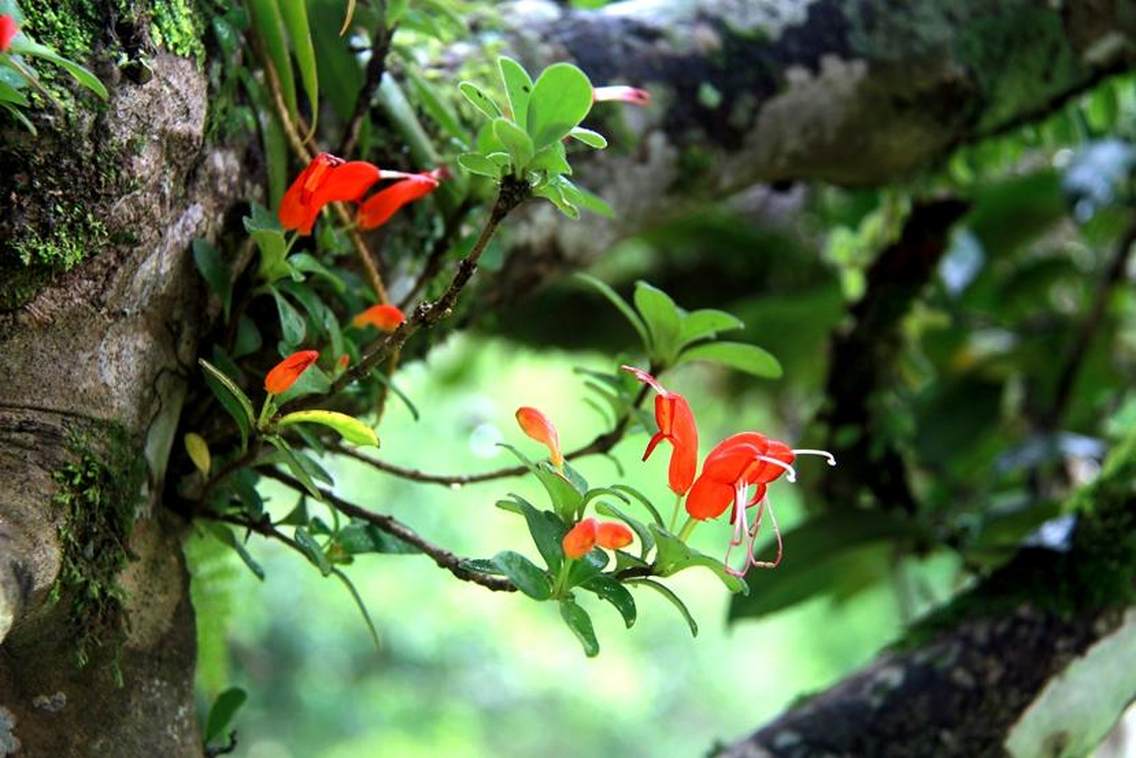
(269, 26)
(308, 264)
(198, 450)
(738, 355)
(706, 323)
(271, 136)
(553, 160)
(662, 318)
(266, 231)
(673, 555)
(292, 325)
(214, 271)
(225, 535)
(621, 305)
(360, 537)
(583, 569)
(312, 549)
(524, 573)
(642, 499)
(514, 138)
(350, 428)
(476, 163)
(546, 528)
(295, 16)
(312, 382)
(616, 594)
(10, 94)
(580, 623)
(222, 711)
(565, 495)
(561, 98)
(822, 548)
(553, 192)
(358, 604)
(479, 100)
(232, 399)
(296, 464)
(589, 137)
(581, 198)
(25, 45)
(674, 599)
(518, 88)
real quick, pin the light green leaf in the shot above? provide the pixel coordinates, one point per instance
(295, 16)
(269, 26)
(435, 105)
(266, 231)
(673, 555)
(706, 323)
(351, 429)
(589, 137)
(518, 88)
(476, 163)
(198, 450)
(738, 355)
(662, 318)
(517, 142)
(561, 98)
(292, 324)
(551, 159)
(25, 45)
(479, 100)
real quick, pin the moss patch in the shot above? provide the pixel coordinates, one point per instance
(99, 493)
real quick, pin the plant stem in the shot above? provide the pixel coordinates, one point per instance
(688, 528)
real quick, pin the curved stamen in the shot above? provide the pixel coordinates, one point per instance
(823, 453)
(777, 533)
(740, 528)
(646, 378)
(790, 472)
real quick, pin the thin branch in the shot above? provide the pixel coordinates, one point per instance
(603, 443)
(392, 526)
(1075, 357)
(376, 67)
(511, 194)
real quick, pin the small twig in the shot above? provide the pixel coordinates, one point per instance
(392, 526)
(434, 260)
(512, 194)
(603, 443)
(376, 67)
(1075, 357)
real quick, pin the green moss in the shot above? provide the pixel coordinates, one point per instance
(99, 493)
(179, 27)
(70, 26)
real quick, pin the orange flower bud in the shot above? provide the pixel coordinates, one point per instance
(613, 535)
(287, 371)
(536, 425)
(580, 539)
(385, 318)
(8, 29)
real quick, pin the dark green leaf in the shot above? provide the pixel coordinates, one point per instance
(214, 271)
(546, 528)
(621, 305)
(522, 572)
(360, 537)
(674, 599)
(312, 550)
(232, 399)
(225, 535)
(662, 318)
(580, 623)
(616, 594)
(292, 324)
(221, 713)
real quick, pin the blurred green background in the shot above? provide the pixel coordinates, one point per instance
(465, 671)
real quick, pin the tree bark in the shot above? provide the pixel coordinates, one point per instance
(94, 362)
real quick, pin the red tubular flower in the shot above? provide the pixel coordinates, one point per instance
(385, 318)
(8, 29)
(736, 464)
(613, 535)
(287, 371)
(326, 179)
(630, 95)
(676, 425)
(536, 425)
(580, 539)
(379, 207)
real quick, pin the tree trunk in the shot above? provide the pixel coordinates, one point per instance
(100, 307)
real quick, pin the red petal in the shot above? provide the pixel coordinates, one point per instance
(285, 373)
(536, 425)
(580, 539)
(379, 208)
(8, 29)
(659, 437)
(709, 498)
(613, 535)
(385, 318)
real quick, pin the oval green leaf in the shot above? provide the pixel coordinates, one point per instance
(350, 428)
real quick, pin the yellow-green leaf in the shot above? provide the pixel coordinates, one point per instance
(350, 428)
(198, 450)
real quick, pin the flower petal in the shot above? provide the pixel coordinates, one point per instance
(285, 373)
(580, 539)
(536, 425)
(379, 208)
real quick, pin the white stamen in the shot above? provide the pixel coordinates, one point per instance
(777, 533)
(823, 453)
(790, 472)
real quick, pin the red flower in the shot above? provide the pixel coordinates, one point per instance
(536, 425)
(385, 318)
(630, 95)
(580, 539)
(326, 179)
(379, 207)
(8, 29)
(287, 371)
(613, 535)
(737, 463)
(676, 425)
